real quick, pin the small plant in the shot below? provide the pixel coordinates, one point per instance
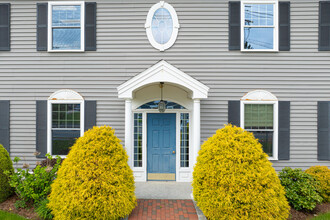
(6, 167)
(302, 190)
(322, 174)
(233, 179)
(43, 211)
(94, 181)
(33, 187)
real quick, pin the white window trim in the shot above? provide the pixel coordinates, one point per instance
(49, 120)
(276, 21)
(275, 121)
(82, 25)
(176, 26)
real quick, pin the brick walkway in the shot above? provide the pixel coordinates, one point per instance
(164, 209)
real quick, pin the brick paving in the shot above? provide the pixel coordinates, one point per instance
(159, 209)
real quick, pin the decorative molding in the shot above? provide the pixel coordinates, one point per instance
(163, 72)
(259, 95)
(65, 94)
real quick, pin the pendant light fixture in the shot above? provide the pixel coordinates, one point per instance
(161, 104)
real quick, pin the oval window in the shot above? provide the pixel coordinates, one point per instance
(162, 26)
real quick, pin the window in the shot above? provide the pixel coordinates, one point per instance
(259, 25)
(162, 26)
(184, 139)
(137, 139)
(65, 121)
(66, 29)
(261, 118)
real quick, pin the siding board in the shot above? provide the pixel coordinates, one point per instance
(300, 75)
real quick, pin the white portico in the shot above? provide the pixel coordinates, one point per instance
(178, 139)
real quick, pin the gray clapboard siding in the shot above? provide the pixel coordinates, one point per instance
(300, 75)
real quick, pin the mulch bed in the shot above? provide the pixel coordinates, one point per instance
(29, 213)
(303, 215)
(9, 206)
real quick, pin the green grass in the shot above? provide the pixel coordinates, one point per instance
(9, 216)
(325, 216)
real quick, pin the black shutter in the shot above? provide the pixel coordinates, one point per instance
(234, 25)
(284, 26)
(90, 114)
(234, 113)
(5, 124)
(90, 26)
(323, 144)
(41, 128)
(42, 21)
(5, 27)
(284, 130)
(324, 25)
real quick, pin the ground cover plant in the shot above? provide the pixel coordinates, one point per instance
(6, 166)
(233, 179)
(9, 216)
(322, 174)
(94, 181)
(301, 189)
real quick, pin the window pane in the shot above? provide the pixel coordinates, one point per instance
(162, 26)
(258, 38)
(66, 116)
(66, 39)
(66, 15)
(137, 139)
(184, 140)
(258, 116)
(154, 105)
(259, 14)
(266, 140)
(62, 140)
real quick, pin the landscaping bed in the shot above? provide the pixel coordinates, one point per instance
(301, 215)
(29, 213)
(9, 206)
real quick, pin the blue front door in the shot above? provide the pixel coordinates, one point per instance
(161, 146)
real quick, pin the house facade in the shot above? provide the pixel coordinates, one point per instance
(166, 75)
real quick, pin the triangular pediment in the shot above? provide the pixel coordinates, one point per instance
(163, 72)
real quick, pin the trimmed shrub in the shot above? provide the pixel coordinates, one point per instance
(322, 174)
(94, 181)
(302, 190)
(233, 179)
(6, 168)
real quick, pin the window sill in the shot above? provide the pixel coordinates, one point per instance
(65, 51)
(272, 158)
(267, 51)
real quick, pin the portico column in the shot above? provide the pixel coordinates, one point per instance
(197, 128)
(128, 130)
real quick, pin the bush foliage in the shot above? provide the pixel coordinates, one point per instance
(302, 190)
(94, 181)
(233, 179)
(322, 174)
(33, 186)
(6, 166)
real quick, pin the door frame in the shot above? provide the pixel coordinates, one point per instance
(177, 141)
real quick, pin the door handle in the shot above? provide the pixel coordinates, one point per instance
(173, 152)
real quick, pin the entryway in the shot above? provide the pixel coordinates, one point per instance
(161, 146)
(167, 160)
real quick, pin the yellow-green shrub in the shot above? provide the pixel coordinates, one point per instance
(233, 179)
(94, 181)
(6, 169)
(322, 174)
